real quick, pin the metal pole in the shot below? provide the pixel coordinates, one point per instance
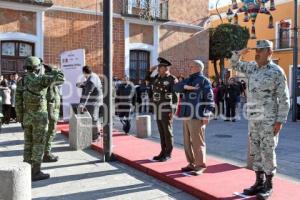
(295, 62)
(107, 69)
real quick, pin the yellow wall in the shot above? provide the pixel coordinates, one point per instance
(283, 12)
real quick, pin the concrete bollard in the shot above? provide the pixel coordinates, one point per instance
(15, 181)
(143, 126)
(80, 135)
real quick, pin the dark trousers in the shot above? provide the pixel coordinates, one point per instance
(165, 126)
(6, 113)
(230, 109)
(221, 107)
(13, 113)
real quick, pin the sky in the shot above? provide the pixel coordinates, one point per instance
(212, 3)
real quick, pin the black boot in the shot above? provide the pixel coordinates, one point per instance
(159, 156)
(258, 185)
(37, 174)
(49, 157)
(268, 189)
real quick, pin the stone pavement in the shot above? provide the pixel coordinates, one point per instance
(228, 141)
(80, 175)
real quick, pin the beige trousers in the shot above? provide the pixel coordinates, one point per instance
(194, 143)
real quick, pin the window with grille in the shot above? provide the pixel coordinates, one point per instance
(284, 34)
(139, 65)
(13, 54)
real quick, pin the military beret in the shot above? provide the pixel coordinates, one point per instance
(163, 62)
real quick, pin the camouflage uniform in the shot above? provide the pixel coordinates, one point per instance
(31, 109)
(268, 102)
(53, 105)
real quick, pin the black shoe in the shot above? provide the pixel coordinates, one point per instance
(37, 174)
(164, 158)
(258, 185)
(158, 157)
(233, 120)
(267, 190)
(49, 157)
(187, 169)
(226, 120)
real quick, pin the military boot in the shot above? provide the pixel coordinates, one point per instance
(268, 189)
(37, 174)
(49, 157)
(258, 185)
(159, 156)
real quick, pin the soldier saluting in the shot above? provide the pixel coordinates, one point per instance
(165, 102)
(31, 109)
(267, 109)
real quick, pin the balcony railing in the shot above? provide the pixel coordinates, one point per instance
(146, 9)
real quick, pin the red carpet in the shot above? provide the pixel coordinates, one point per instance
(219, 181)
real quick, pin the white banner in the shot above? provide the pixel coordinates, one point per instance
(71, 65)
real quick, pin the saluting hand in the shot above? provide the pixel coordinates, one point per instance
(244, 51)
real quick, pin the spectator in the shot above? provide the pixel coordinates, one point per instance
(6, 100)
(13, 87)
(216, 91)
(221, 98)
(195, 108)
(124, 97)
(146, 93)
(138, 97)
(231, 96)
(92, 97)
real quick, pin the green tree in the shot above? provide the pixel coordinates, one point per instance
(222, 41)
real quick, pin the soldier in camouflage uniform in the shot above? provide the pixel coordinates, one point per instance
(31, 109)
(267, 110)
(53, 105)
(165, 102)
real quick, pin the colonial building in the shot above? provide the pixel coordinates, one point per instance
(142, 31)
(282, 35)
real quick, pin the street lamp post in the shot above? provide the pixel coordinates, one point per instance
(295, 63)
(107, 70)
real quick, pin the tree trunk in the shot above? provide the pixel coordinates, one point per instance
(216, 71)
(222, 69)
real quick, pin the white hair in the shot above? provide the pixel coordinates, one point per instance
(200, 64)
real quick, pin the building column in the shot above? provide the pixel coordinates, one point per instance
(39, 48)
(155, 52)
(127, 50)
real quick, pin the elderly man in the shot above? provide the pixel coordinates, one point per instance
(268, 106)
(195, 108)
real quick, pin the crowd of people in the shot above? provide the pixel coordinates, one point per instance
(8, 95)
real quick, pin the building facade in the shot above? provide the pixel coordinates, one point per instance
(281, 35)
(142, 31)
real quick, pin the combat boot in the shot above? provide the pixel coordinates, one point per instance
(268, 189)
(37, 174)
(159, 156)
(49, 157)
(258, 185)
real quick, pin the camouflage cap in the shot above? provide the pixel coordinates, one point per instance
(262, 44)
(32, 62)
